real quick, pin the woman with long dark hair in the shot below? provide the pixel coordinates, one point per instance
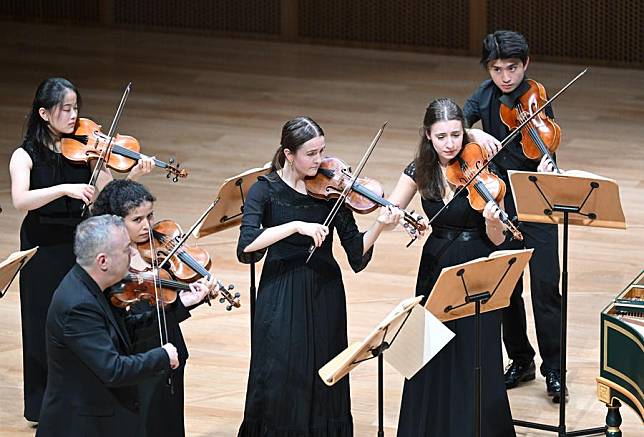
(300, 322)
(52, 190)
(439, 399)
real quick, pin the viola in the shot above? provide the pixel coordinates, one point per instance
(541, 136)
(88, 142)
(140, 286)
(365, 196)
(463, 168)
(188, 264)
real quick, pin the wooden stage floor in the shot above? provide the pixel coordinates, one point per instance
(218, 106)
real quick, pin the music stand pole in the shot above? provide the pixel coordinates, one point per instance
(378, 352)
(228, 213)
(477, 299)
(252, 297)
(548, 211)
(373, 346)
(487, 283)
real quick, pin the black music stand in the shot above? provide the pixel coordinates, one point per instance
(10, 267)
(573, 197)
(373, 346)
(485, 282)
(228, 213)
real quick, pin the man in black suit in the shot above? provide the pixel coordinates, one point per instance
(91, 386)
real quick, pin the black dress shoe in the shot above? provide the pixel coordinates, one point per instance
(553, 385)
(518, 372)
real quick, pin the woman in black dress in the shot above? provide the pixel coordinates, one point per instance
(52, 191)
(300, 322)
(161, 406)
(439, 399)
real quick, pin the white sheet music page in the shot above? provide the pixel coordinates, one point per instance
(420, 339)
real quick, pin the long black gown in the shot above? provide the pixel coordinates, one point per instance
(300, 319)
(161, 404)
(51, 227)
(439, 399)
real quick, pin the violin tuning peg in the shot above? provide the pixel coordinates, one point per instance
(171, 160)
(237, 295)
(229, 307)
(167, 176)
(231, 287)
(175, 179)
(222, 300)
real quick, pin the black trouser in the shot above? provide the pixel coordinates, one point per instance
(546, 300)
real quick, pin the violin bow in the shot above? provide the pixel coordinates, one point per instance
(160, 307)
(340, 200)
(506, 141)
(105, 154)
(186, 235)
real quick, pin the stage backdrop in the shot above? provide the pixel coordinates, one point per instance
(604, 32)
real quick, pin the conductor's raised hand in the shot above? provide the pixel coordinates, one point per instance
(314, 230)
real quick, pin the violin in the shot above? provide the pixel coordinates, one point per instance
(461, 170)
(365, 196)
(140, 286)
(188, 264)
(88, 142)
(541, 136)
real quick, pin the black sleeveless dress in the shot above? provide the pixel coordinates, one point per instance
(300, 320)
(51, 228)
(439, 399)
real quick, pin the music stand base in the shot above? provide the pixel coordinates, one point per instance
(561, 431)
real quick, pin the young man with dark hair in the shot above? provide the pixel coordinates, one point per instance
(505, 57)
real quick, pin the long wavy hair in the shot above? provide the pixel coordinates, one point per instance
(429, 177)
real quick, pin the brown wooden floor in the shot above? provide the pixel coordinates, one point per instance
(218, 105)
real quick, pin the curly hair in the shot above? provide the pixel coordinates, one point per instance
(120, 197)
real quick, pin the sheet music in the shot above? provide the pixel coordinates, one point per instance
(420, 339)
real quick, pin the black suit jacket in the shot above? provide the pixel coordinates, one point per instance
(91, 385)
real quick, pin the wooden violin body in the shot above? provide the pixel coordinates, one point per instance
(541, 136)
(188, 264)
(139, 286)
(365, 196)
(461, 170)
(87, 142)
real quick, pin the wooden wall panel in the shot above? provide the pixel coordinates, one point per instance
(209, 16)
(593, 30)
(608, 32)
(405, 23)
(47, 11)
